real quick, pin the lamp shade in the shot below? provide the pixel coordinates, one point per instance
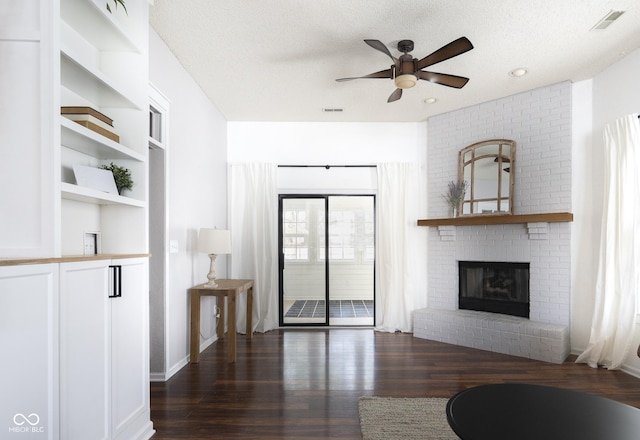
(214, 241)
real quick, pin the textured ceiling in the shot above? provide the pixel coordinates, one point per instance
(277, 60)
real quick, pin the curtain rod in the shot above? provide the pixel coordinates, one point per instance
(326, 166)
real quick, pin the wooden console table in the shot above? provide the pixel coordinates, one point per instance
(229, 289)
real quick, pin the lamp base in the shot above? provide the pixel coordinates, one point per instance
(211, 276)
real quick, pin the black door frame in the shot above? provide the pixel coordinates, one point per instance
(281, 261)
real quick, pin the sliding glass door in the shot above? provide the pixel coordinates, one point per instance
(303, 272)
(320, 284)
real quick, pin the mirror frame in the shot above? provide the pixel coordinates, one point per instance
(506, 153)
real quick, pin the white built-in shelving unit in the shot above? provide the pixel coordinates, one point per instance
(103, 65)
(84, 318)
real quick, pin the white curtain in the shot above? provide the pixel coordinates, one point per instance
(618, 279)
(253, 209)
(400, 247)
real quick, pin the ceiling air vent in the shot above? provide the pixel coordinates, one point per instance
(607, 20)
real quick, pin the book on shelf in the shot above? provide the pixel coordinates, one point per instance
(100, 130)
(91, 119)
(88, 118)
(79, 110)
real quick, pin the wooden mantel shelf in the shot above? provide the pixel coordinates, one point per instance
(551, 217)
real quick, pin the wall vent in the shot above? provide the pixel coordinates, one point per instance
(607, 20)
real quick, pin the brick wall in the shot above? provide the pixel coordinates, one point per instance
(540, 122)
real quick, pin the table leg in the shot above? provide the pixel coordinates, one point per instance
(194, 342)
(220, 301)
(232, 326)
(249, 329)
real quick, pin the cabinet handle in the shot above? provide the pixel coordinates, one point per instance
(116, 282)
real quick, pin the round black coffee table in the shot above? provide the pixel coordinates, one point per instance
(527, 412)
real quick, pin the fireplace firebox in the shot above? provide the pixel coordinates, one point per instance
(496, 287)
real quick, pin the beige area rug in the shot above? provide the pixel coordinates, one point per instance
(390, 418)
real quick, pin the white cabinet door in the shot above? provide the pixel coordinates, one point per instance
(104, 350)
(130, 351)
(29, 344)
(84, 350)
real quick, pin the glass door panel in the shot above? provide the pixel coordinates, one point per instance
(303, 272)
(351, 260)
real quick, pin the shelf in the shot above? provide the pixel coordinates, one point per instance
(70, 191)
(552, 217)
(91, 19)
(83, 140)
(91, 83)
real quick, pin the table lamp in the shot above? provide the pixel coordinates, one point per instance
(214, 242)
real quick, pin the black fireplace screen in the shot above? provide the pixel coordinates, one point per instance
(494, 287)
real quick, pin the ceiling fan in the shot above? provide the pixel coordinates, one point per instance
(406, 70)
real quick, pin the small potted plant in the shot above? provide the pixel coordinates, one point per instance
(121, 175)
(455, 195)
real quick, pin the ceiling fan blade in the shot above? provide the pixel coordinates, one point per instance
(382, 74)
(455, 48)
(444, 79)
(379, 45)
(395, 95)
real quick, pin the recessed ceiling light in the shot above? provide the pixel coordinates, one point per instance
(520, 71)
(430, 101)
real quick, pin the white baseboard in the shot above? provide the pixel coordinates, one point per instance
(629, 369)
(163, 377)
(177, 367)
(577, 351)
(206, 343)
(158, 377)
(633, 371)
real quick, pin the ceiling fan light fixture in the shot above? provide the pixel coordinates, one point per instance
(406, 70)
(405, 81)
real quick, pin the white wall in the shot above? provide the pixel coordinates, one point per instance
(584, 237)
(326, 143)
(197, 197)
(616, 93)
(318, 143)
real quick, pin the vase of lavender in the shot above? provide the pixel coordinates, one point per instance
(455, 195)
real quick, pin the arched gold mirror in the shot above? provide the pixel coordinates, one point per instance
(488, 167)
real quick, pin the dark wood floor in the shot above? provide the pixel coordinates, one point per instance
(305, 384)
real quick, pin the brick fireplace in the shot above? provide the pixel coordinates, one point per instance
(540, 123)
